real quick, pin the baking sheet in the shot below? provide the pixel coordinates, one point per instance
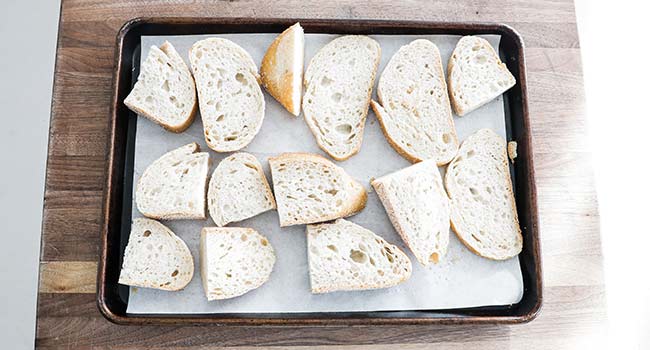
(461, 280)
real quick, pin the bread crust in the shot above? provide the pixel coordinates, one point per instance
(282, 91)
(358, 198)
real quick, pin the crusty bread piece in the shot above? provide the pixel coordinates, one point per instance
(238, 190)
(282, 65)
(338, 84)
(483, 210)
(230, 98)
(165, 90)
(512, 151)
(476, 75)
(174, 185)
(309, 188)
(346, 256)
(156, 258)
(415, 114)
(418, 207)
(234, 261)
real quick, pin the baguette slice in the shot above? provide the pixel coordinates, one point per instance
(418, 208)
(156, 258)
(238, 190)
(338, 84)
(476, 75)
(282, 65)
(483, 212)
(230, 98)
(346, 256)
(165, 90)
(415, 114)
(309, 188)
(174, 185)
(234, 261)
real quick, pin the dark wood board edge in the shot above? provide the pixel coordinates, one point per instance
(114, 151)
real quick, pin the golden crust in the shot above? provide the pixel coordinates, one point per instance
(281, 89)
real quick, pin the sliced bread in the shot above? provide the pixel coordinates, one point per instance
(483, 211)
(238, 190)
(415, 114)
(174, 185)
(156, 258)
(165, 90)
(309, 188)
(346, 256)
(282, 65)
(234, 261)
(230, 98)
(418, 207)
(476, 75)
(338, 84)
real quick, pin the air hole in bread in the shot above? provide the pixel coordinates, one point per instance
(344, 129)
(175, 273)
(240, 78)
(358, 256)
(165, 85)
(148, 99)
(480, 59)
(434, 257)
(146, 233)
(264, 242)
(325, 82)
(337, 96)
(333, 248)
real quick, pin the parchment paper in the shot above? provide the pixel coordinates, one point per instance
(461, 280)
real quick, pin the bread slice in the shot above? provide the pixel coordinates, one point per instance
(238, 190)
(309, 188)
(483, 211)
(476, 75)
(415, 114)
(282, 65)
(418, 208)
(234, 261)
(174, 185)
(156, 258)
(230, 98)
(346, 256)
(338, 84)
(165, 90)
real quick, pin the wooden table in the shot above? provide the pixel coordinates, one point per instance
(573, 314)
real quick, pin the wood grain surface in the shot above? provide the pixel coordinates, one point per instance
(573, 314)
